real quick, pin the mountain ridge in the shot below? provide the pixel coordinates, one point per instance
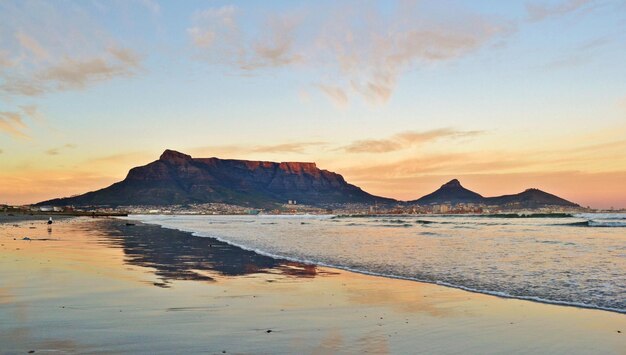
(453, 192)
(177, 179)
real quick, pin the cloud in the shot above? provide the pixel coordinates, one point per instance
(276, 47)
(216, 32)
(336, 94)
(360, 49)
(32, 112)
(405, 140)
(12, 124)
(213, 22)
(286, 147)
(581, 54)
(74, 73)
(57, 150)
(605, 146)
(297, 147)
(32, 46)
(567, 62)
(451, 165)
(539, 12)
(49, 47)
(372, 146)
(5, 61)
(601, 157)
(373, 56)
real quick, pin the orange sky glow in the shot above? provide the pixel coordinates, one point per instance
(398, 97)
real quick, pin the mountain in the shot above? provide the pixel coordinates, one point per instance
(177, 178)
(530, 198)
(453, 192)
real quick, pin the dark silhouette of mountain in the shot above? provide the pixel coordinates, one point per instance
(530, 198)
(453, 193)
(450, 192)
(177, 179)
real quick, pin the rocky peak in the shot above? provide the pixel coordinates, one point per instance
(450, 192)
(452, 183)
(173, 156)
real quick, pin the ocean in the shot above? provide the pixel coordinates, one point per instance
(577, 260)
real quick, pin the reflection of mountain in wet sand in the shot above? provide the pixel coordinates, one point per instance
(177, 255)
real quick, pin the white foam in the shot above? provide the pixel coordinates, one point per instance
(158, 220)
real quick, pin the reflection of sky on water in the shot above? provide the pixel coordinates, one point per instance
(556, 259)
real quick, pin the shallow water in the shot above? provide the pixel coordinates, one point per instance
(579, 260)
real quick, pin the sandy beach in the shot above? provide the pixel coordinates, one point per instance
(103, 286)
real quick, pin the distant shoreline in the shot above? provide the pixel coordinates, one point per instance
(66, 214)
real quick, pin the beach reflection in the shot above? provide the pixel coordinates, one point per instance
(175, 255)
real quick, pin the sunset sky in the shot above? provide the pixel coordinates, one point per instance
(398, 97)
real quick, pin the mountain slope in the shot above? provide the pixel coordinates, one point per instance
(451, 192)
(177, 178)
(530, 198)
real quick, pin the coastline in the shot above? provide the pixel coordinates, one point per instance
(397, 277)
(92, 285)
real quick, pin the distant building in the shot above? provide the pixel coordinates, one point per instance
(441, 208)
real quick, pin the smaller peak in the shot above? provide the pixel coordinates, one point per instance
(174, 156)
(452, 183)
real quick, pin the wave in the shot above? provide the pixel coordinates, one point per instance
(601, 216)
(599, 222)
(393, 276)
(595, 223)
(526, 215)
(403, 225)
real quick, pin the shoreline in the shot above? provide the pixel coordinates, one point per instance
(396, 277)
(282, 258)
(84, 269)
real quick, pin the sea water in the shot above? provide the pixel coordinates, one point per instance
(577, 260)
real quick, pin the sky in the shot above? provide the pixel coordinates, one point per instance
(398, 97)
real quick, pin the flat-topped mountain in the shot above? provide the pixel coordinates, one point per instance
(453, 192)
(177, 178)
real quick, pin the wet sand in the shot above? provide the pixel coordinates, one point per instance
(21, 217)
(101, 286)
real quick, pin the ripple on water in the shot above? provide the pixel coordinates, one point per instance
(543, 259)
